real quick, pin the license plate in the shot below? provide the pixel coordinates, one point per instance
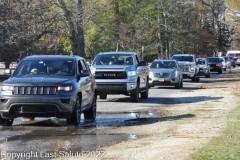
(161, 79)
(211, 67)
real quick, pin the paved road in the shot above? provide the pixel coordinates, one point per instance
(51, 135)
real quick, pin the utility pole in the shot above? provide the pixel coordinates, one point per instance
(142, 52)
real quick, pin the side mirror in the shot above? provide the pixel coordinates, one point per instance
(143, 63)
(85, 73)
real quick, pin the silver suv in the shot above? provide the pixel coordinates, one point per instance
(121, 73)
(165, 73)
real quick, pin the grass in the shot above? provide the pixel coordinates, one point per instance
(227, 145)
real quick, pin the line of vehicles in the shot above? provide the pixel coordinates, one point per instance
(46, 93)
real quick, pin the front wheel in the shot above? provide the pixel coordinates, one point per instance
(76, 114)
(198, 79)
(207, 76)
(194, 79)
(181, 85)
(103, 96)
(178, 85)
(144, 95)
(6, 122)
(135, 94)
(91, 113)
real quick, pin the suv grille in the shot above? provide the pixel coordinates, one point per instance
(185, 68)
(213, 65)
(161, 75)
(34, 90)
(111, 75)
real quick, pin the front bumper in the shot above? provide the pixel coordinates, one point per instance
(36, 106)
(203, 72)
(167, 81)
(188, 74)
(215, 69)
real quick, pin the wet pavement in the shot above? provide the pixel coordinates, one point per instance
(47, 138)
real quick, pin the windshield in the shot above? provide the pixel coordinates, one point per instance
(183, 58)
(201, 61)
(46, 67)
(237, 54)
(213, 59)
(164, 64)
(114, 59)
(226, 58)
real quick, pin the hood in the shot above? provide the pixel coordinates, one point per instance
(214, 62)
(185, 63)
(202, 65)
(113, 67)
(161, 70)
(38, 80)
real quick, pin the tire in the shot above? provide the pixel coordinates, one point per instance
(103, 96)
(6, 122)
(134, 96)
(194, 79)
(234, 66)
(144, 95)
(198, 79)
(207, 76)
(178, 85)
(224, 69)
(220, 72)
(181, 85)
(91, 113)
(76, 114)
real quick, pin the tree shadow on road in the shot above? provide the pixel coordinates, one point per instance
(166, 100)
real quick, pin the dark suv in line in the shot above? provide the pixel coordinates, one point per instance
(215, 64)
(49, 86)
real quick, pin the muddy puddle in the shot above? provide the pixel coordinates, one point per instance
(53, 137)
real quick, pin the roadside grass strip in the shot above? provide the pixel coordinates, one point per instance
(227, 145)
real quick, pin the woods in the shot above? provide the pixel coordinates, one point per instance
(87, 27)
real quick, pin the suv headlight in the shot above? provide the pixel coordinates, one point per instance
(192, 67)
(64, 88)
(131, 73)
(174, 74)
(151, 74)
(7, 88)
(93, 71)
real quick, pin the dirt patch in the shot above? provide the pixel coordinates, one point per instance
(184, 126)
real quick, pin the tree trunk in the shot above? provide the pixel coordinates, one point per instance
(80, 35)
